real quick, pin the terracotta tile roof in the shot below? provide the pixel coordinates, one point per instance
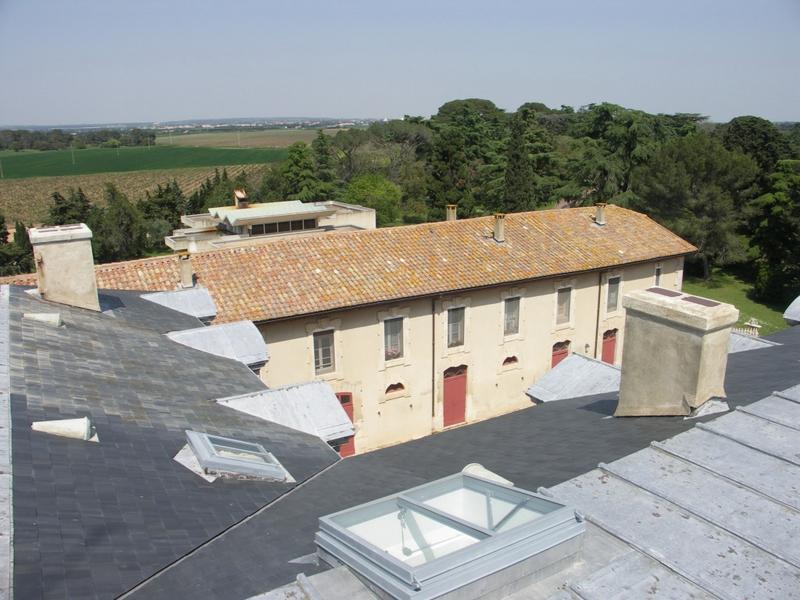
(296, 276)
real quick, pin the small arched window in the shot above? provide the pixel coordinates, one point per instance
(510, 360)
(394, 388)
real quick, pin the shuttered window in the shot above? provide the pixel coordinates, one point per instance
(511, 320)
(612, 300)
(564, 301)
(455, 327)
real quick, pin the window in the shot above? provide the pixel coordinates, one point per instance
(395, 388)
(612, 299)
(323, 352)
(510, 360)
(296, 225)
(393, 338)
(271, 228)
(564, 301)
(658, 275)
(310, 224)
(218, 454)
(257, 229)
(284, 226)
(511, 323)
(455, 327)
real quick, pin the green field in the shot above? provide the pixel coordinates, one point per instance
(727, 288)
(17, 165)
(264, 138)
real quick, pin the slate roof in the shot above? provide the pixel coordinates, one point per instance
(91, 520)
(240, 341)
(311, 407)
(194, 301)
(303, 275)
(540, 446)
(741, 342)
(574, 377)
(134, 309)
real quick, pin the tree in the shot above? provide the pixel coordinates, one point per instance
(118, 228)
(324, 170)
(776, 235)
(376, 192)
(3, 230)
(519, 170)
(166, 203)
(74, 208)
(759, 139)
(698, 189)
(298, 170)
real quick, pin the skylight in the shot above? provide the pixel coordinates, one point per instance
(231, 457)
(448, 534)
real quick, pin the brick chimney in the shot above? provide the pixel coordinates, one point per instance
(65, 265)
(452, 212)
(499, 233)
(675, 352)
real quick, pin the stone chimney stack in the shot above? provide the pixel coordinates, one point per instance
(65, 265)
(187, 271)
(451, 212)
(675, 352)
(499, 227)
(600, 215)
(240, 198)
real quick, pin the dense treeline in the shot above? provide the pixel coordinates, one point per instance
(725, 187)
(58, 139)
(731, 189)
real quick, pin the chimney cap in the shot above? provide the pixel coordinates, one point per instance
(59, 233)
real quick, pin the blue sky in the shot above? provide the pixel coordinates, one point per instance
(74, 61)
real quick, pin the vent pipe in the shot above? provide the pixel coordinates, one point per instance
(187, 272)
(499, 227)
(65, 265)
(451, 212)
(600, 216)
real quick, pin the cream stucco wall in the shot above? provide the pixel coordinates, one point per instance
(492, 388)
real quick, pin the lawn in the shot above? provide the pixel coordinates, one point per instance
(140, 158)
(728, 288)
(265, 138)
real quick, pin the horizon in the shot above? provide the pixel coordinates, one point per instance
(100, 63)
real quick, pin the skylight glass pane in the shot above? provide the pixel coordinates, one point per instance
(239, 454)
(406, 534)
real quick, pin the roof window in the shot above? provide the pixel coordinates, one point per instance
(420, 543)
(230, 457)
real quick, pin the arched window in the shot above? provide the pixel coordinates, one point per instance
(394, 388)
(510, 360)
(560, 352)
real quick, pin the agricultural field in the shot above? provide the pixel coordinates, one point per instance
(28, 200)
(16, 165)
(267, 138)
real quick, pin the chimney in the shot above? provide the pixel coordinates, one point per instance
(600, 215)
(187, 272)
(499, 227)
(65, 265)
(240, 198)
(675, 352)
(451, 212)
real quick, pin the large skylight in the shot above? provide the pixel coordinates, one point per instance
(447, 534)
(231, 457)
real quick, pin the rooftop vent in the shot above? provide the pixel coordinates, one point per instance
(79, 429)
(65, 265)
(240, 198)
(675, 352)
(463, 534)
(452, 213)
(600, 214)
(499, 227)
(233, 458)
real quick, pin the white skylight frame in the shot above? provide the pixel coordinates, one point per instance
(209, 448)
(480, 551)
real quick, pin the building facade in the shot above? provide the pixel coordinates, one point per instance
(411, 368)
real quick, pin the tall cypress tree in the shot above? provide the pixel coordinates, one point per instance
(519, 179)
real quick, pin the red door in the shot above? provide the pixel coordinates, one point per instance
(560, 352)
(609, 346)
(348, 446)
(455, 395)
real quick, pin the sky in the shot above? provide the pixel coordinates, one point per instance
(106, 61)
